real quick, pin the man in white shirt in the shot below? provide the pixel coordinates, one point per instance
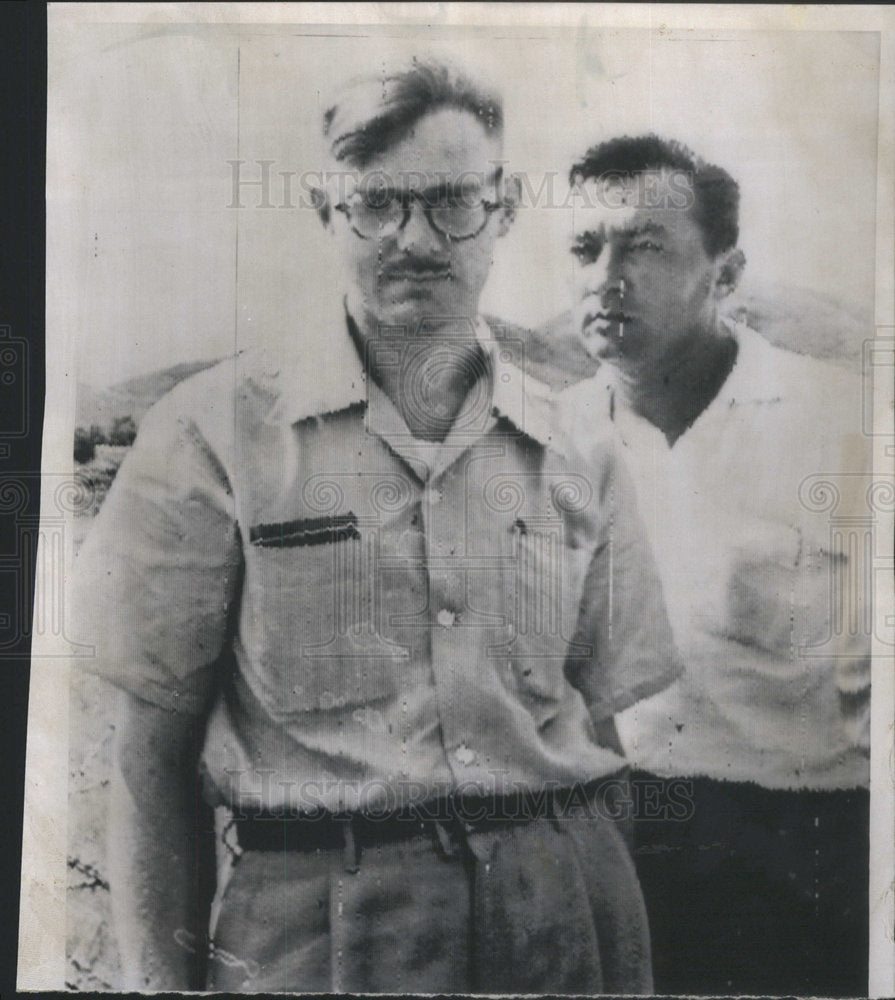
(746, 458)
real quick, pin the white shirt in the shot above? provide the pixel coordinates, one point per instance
(776, 689)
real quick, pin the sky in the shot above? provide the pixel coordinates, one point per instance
(148, 263)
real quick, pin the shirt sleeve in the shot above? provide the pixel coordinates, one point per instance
(155, 578)
(622, 617)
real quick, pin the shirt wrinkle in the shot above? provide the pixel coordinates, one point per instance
(740, 556)
(379, 634)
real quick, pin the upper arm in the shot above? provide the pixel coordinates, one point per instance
(622, 607)
(158, 571)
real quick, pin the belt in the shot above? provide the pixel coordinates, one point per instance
(442, 817)
(322, 831)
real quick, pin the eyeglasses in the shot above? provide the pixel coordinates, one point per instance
(381, 213)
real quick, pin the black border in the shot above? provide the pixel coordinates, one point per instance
(23, 93)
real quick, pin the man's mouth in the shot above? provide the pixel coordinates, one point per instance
(597, 322)
(418, 275)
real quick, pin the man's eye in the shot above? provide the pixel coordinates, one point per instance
(586, 252)
(449, 202)
(646, 245)
(377, 199)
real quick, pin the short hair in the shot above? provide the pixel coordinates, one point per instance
(375, 112)
(716, 194)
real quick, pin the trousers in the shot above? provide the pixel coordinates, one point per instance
(546, 906)
(756, 890)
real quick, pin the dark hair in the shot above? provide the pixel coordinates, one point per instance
(377, 111)
(716, 194)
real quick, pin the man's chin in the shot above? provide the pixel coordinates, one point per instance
(424, 313)
(406, 313)
(601, 347)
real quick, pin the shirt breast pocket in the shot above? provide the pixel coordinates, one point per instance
(313, 637)
(546, 591)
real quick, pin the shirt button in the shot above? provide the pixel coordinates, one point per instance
(446, 618)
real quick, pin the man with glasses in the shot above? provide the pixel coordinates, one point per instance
(362, 601)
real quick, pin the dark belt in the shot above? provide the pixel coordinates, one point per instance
(324, 830)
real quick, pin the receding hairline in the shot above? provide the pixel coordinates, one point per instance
(407, 132)
(372, 113)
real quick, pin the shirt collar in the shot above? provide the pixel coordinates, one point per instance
(526, 402)
(751, 380)
(329, 376)
(326, 377)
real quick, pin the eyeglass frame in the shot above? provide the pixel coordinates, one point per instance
(406, 199)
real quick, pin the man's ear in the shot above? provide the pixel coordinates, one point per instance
(510, 197)
(320, 201)
(728, 271)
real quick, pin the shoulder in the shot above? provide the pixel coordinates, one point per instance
(793, 375)
(584, 415)
(552, 353)
(586, 436)
(811, 409)
(588, 398)
(230, 391)
(203, 419)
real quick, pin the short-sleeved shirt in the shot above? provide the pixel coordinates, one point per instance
(371, 619)
(758, 519)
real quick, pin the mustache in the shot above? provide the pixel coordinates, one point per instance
(614, 314)
(416, 267)
(592, 309)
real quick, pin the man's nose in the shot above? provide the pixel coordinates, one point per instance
(416, 235)
(605, 276)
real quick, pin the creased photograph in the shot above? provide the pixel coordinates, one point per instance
(468, 484)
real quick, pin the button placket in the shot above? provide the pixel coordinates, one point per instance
(446, 553)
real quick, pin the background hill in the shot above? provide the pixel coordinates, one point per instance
(801, 320)
(797, 319)
(132, 397)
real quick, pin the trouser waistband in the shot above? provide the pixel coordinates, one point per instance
(452, 817)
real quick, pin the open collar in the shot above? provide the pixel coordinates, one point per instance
(752, 380)
(329, 377)
(754, 377)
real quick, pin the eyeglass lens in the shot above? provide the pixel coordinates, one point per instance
(381, 216)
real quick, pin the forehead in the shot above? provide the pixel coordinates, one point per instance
(656, 201)
(609, 223)
(448, 141)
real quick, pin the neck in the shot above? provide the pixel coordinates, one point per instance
(672, 393)
(431, 380)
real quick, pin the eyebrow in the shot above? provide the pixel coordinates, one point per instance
(603, 233)
(646, 229)
(476, 180)
(598, 234)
